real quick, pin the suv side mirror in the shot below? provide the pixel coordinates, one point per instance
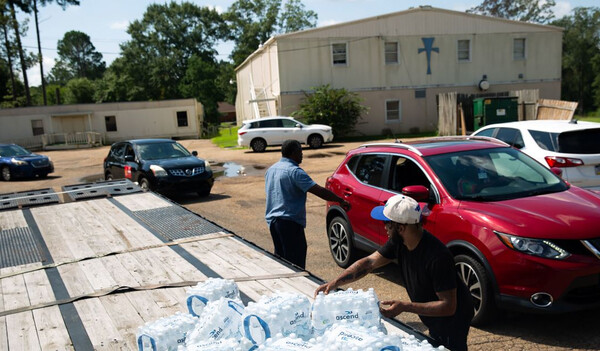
(298, 125)
(129, 158)
(417, 192)
(194, 153)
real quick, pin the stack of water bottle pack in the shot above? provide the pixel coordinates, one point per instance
(283, 321)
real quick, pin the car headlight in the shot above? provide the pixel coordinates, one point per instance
(534, 247)
(18, 162)
(206, 166)
(158, 171)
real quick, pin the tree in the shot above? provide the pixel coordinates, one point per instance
(253, 22)
(77, 58)
(539, 11)
(156, 58)
(17, 31)
(581, 57)
(337, 108)
(199, 82)
(61, 3)
(80, 91)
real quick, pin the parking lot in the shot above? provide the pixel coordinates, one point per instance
(237, 203)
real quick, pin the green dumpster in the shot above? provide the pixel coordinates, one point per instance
(494, 110)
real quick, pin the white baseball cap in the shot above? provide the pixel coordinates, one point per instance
(398, 208)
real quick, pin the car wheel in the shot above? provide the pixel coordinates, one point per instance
(315, 141)
(339, 236)
(144, 184)
(108, 176)
(6, 174)
(258, 145)
(477, 281)
(204, 192)
(43, 175)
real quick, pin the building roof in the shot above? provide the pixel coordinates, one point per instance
(422, 20)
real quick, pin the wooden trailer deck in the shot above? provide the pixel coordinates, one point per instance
(84, 272)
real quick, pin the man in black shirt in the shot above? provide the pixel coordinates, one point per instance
(437, 294)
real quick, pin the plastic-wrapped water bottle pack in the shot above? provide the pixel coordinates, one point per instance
(165, 333)
(210, 290)
(282, 321)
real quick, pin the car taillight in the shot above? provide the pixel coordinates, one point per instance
(128, 172)
(563, 162)
(241, 133)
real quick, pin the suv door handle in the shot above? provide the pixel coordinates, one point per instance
(347, 192)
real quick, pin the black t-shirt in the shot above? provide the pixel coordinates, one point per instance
(428, 269)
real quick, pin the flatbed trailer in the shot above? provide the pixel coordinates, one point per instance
(82, 269)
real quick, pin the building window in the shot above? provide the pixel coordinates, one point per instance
(420, 94)
(392, 111)
(339, 54)
(37, 126)
(464, 51)
(182, 119)
(391, 52)
(111, 123)
(519, 49)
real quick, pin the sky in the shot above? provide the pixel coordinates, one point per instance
(106, 21)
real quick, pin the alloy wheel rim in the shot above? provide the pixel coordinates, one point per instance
(338, 242)
(473, 283)
(5, 173)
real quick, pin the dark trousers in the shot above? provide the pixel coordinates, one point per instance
(289, 241)
(455, 340)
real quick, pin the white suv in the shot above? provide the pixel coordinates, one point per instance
(262, 132)
(572, 146)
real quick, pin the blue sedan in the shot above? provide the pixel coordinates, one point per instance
(16, 162)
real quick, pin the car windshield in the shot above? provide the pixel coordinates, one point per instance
(13, 150)
(159, 151)
(493, 175)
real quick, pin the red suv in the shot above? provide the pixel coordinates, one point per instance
(521, 236)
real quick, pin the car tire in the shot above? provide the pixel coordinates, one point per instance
(144, 184)
(108, 176)
(204, 192)
(339, 237)
(477, 280)
(6, 175)
(258, 145)
(315, 141)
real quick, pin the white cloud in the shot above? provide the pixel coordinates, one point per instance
(122, 25)
(327, 23)
(561, 9)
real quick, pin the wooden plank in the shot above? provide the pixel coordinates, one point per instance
(144, 304)
(130, 232)
(235, 246)
(12, 219)
(14, 293)
(3, 334)
(180, 266)
(51, 329)
(214, 262)
(22, 335)
(157, 273)
(119, 273)
(99, 326)
(38, 287)
(75, 279)
(254, 289)
(124, 317)
(143, 201)
(168, 301)
(98, 276)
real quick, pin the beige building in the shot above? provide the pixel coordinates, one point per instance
(398, 64)
(106, 122)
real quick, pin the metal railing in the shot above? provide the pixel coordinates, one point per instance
(77, 138)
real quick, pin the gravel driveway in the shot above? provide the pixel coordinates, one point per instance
(237, 203)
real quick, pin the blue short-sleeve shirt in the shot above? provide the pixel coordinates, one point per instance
(286, 185)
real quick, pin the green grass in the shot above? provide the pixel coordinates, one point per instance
(588, 119)
(227, 137)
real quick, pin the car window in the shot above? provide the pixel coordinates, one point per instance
(545, 140)
(511, 136)
(13, 150)
(580, 142)
(288, 123)
(487, 132)
(129, 150)
(160, 151)
(270, 123)
(369, 169)
(405, 172)
(493, 175)
(118, 151)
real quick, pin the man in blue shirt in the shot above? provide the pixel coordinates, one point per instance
(286, 185)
